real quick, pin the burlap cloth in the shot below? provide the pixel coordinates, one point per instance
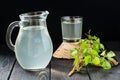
(63, 51)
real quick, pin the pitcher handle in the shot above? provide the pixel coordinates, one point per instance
(9, 32)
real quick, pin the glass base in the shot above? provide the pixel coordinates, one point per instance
(34, 69)
(66, 40)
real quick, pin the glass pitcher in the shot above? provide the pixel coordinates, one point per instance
(33, 46)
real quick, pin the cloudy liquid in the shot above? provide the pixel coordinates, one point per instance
(71, 31)
(33, 48)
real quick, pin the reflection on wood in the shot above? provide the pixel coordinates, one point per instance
(21, 74)
(61, 67)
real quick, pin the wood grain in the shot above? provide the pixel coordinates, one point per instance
(61, 67)
(101, 74)
(58, 68)
(21, 74)
(7, 60)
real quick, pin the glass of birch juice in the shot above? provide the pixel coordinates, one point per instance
(71, 28)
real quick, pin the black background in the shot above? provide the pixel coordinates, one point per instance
(101, 16)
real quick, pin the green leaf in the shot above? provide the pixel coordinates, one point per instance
(94, 52)
(74, 52)
(84, 45)
(102, 46)
(106, 65)
(96, 61)
(95, 37)
(90, 37)
(98, 40)
(96, 47)
(87, 60)
(84, 52)
(81, 40)
(110, 54)
(103, 54)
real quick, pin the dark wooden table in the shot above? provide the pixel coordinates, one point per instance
(58, 69)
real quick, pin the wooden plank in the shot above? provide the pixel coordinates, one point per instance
(21, 74)
(7, 60)
(61, 67)
(101, 74)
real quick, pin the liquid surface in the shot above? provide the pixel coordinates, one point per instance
(71, 31)
(33, 47)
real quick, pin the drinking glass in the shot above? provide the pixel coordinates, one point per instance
(71, 28)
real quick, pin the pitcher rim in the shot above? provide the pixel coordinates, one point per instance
(34, 14)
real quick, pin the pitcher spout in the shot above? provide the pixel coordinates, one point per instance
(44, 14)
